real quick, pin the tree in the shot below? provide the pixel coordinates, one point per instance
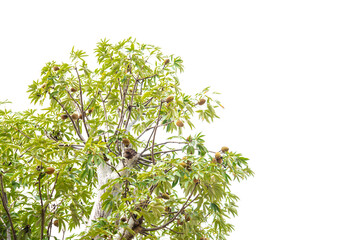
(108, 155)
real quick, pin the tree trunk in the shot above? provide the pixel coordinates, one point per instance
(8, 234)
(105, 173)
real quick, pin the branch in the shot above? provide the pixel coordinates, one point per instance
(149, 154)
(144, 160)
(148, 142)
(81, 101)
(154, 134)
(21, 132)
(147, 77)
(105, 112)
(149, 128)
(53, 189)
(167, 143)
(4, 203)
(131, 102)
(175, 216)
(122, 107)
(82, 104)
(128, 128)
(73, 99)
(109, 92)
(74, 146)
(73, 123)
(113, 168)
(91, 103)
(42, 211)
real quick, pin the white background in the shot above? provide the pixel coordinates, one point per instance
(288, 74)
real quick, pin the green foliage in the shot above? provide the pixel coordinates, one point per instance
(184, 195)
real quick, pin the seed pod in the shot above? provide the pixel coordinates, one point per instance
(49, 170)
(220, 160)
(126, 142)
(165, 196)
(224, 149)
(56, 223)
(183, 164)
(217, 155)
(167, 209)
(167, 61)
(73, 89)
(179, 123)
(187, 218)
(56, 68)
(80, 117)
(91, 110)
(201, 101)
(75, 116)
(64, 117)
(214, 160)
(196, 180)
(179, 222)
(169, 99)
(124, 219)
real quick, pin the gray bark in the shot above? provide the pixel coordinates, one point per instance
(105, 173)
(8, 234)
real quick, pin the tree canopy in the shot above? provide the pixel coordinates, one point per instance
(106, 158)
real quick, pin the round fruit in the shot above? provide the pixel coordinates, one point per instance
(167, 61)
(183, 164)
(56, 223)
(49, 170)
(63, 117)
(179, 123)
(124, 219)
(169, 99)
(56, 68)
(73, 89)
(224, 149)
(201, 101)
(126, 142)
(75, 116)
(217, 155)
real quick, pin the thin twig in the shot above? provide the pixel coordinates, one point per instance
(159, 144)
(42, 210)
(105, 112)
(175, 216)
(149, 154)
(73, 123)
(82, 104)
(154, 134)
(147, 129)
(4, 203)
(79, 107)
